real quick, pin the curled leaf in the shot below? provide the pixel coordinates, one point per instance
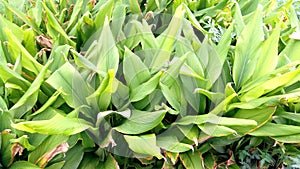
(62, 148)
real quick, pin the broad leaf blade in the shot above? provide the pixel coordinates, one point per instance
(28, 100)
(144, 144)
(247, 49)
(56, 125)
(67, 79)
(192, 160)
(141, 121)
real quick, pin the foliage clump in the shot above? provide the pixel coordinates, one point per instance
(149, 84)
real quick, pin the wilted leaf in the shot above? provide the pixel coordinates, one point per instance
(62, 148)
(23, 141)
(47, 145)
(15, 149)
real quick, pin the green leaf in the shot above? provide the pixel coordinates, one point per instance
(83, 62)
(28, 100)
(261, 116)
(192, 160)
(105, 55)
(74, 89)
(283, 80)
(190, 132)
(291, 51)
(173, 70)
(212, 11)
(215, 130)
(170, 143)
(23, 17)
(210, 118)
(27, 60)
(289, 115)
(47, 145)
(56, 125)
(210, 61)
(110, 163)
(75, 14)
(23, 165)
(288, 139)
(5, 24)
(135, 71)
(169, 84)
(141, 121)
(126, 113)
(144, 144)
(102, 96)
(104, 13)
(46, 105)
(268, 59)
(6, 147)
(23, 141)
(272, 100)
(29, 39)
(135, 7)
(53, 24)
(89, 161)
(214, 97)
(56, 165)
(239, 21)
(170, 96)
(188, 86)
(118, 18)
(146, 36)
(36, 15)
(224, 45)
(5, 118)
(74, 157)
(167, 39)
(59, 55)
(146, 88)
(193, 20)
(281, 130)
(210, 160)
(248, 49)
(121, 96)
